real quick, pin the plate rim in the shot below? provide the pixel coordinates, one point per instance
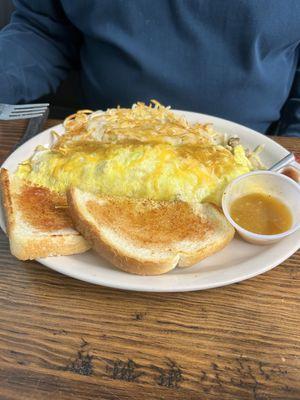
(123, 285)
(136, 288)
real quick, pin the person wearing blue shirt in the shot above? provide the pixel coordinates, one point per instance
(236, 59)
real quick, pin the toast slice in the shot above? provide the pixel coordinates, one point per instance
(148, 237)
(37, 220)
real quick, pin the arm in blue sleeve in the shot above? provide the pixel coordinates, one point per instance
(289, 124)
(38, 48)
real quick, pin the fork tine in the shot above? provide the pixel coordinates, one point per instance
(27, 115)
(24, 116)
(23, 110)
(20, 107)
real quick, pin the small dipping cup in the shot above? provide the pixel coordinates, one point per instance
(271, 183)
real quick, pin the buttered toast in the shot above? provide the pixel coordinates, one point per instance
(148, 237)
(37, 220)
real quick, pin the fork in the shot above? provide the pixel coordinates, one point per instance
(24, 111)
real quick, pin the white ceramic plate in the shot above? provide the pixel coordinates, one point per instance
(237, 262)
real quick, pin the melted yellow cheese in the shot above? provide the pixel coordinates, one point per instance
(152, 170)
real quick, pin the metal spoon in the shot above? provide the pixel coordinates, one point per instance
(283, 162)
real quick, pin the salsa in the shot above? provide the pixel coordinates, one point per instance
(261, 213)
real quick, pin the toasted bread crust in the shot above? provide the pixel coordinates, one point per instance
(187, 260)
(6, 200)
(31, 247)
(89, 229)
(36, 207)
(52, 213)
(128, 264)
(149, 226)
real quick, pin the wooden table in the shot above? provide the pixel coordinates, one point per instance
(65, 339)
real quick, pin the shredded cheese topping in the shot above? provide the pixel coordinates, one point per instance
(142, 123)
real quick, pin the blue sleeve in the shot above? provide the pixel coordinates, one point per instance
(38, 48)
(289, 124)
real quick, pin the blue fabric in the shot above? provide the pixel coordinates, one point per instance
(236, 59)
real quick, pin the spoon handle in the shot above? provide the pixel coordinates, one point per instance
(283, 162)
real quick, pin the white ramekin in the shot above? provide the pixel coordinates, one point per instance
(273, 183)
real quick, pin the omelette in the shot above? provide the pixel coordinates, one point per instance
(142, 152)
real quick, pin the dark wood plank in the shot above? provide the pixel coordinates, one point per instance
(12, 131)
(61, 338)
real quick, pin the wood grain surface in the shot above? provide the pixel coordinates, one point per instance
(65, 339)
